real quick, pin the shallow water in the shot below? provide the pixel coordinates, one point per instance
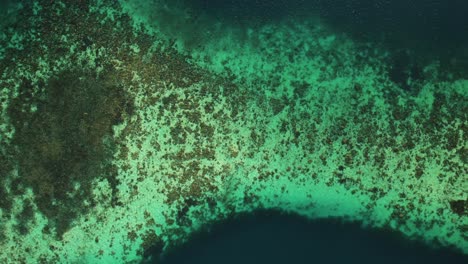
(352, 109)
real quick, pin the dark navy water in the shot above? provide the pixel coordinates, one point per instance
(271, 237)
(431, 29)
(427, 20)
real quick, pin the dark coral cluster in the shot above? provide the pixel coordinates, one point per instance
(66, 143)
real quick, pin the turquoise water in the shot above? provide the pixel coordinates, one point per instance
(126, 127)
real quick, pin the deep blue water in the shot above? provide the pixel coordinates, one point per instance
(270, 237)
(432, 29)
(435, 21)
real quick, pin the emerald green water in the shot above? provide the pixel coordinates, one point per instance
(126, 127)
